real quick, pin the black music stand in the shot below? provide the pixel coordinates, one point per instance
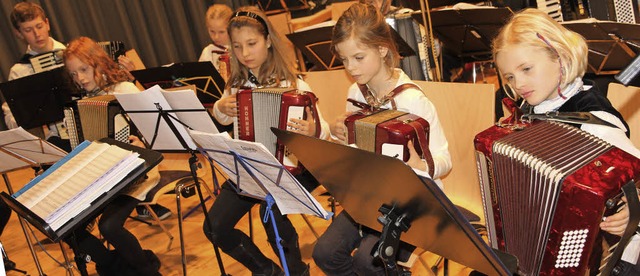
(20, 149)
(151, 159)
(203, 75)
(315, 44)
(37, 99)
(168, 126)
(612, 46)
(208, 82)
(363, 182)
(257, 173)
(467, 33)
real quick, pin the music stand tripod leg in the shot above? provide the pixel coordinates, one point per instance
(24, 229)
(193, 165)
(269, 212)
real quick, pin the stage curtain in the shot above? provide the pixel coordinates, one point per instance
(161, 31)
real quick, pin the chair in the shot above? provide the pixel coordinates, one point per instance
(179, 179)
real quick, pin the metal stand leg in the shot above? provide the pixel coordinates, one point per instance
(68, 264)
(178, 191)
(23, 224)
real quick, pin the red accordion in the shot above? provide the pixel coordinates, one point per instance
(263, 108)
(387, 132)
(545, 189)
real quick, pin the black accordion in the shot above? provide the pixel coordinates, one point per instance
(95, 118)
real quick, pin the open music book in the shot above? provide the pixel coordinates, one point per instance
(20, 149)
(256, 173)
(74, 182)
(183, 106)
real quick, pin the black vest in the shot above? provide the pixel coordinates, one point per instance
(587, 101)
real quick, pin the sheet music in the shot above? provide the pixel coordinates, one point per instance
(146, 122)
(186, 99)
(20, 148)
(69, 188)
(271, 176)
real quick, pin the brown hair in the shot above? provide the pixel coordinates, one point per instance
(365, 24)
(277, 67)
(106, 71)
(25, 11)
(385, 5)
(532, 27)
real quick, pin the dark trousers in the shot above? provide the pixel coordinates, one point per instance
(111, 227)
(333, 251)
(229, 207)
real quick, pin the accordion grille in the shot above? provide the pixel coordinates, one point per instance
(266, 112)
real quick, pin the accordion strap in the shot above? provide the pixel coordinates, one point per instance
(569, 117)
(316, 116)
(375, 103)
(423, 143)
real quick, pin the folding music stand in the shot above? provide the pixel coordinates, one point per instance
(20, 149)
(363, 182)
(315, 44)
(468, 32)
(612, 45)
(163, 119)
(37, 99)
(151, 159)
(209, 84)
(258, 174)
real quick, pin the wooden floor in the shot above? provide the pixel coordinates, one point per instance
(200, 254)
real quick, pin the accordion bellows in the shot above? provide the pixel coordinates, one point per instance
(95, 118)
(375, 131)
(545, 189)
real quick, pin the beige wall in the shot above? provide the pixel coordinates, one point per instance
(627, 101)
(464, 110)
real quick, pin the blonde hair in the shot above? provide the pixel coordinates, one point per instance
(219, 11)
(276, 68)
(534, 28)
(366, 25)
(106, 72)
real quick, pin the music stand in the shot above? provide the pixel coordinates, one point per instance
(206, 78)
(20, 149)
(315, 43)
(163, 119)
(37, 99)
(151, 159)
(209, 83)
(258, 174)
(468, 32)
(612, 45)
(363, 182)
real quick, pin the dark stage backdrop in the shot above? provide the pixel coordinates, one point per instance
(161, 31)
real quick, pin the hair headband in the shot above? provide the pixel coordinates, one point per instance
(254, 16)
